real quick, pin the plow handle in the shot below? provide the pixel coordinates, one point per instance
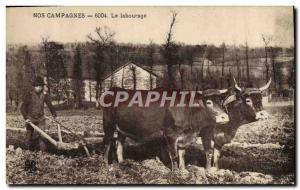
(43, 134)
(59, 133)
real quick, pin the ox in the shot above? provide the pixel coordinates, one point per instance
(175, 127)
(213, 100)
(243, 107)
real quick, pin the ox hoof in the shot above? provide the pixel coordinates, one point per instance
(212, 169)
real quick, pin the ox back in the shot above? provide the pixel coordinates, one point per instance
(177, 126)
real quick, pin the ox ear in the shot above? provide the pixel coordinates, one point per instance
(266, 86)
(236, 86)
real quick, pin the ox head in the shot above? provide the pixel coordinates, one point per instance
(212, 99)
(252, 98)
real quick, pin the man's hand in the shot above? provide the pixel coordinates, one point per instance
(27, 121)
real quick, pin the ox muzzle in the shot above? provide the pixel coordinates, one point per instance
(222, 118)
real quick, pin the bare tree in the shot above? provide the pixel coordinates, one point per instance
(123, 73)
(105, 35)
(267, 40)
(89, 72)
(237, 63)
(247, 62)
(212, 55)
(151, 51)
(223, 49)
(47, 78)
(102, 42)
(276, 68)
(170, 52)
(55, 68)
(77, 82)
(204, 56)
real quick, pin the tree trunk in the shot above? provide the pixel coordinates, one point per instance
(275, 71)
(97, 93)
(191, 69)
(181, 79)
(247, 64)
(151, 82)
(266, 64)
(122, 84)
(202, 71)
(238, 68)
(222, 72)
(171, 81)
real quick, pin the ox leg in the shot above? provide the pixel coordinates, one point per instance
(166, 153)
(216, 158)
(181, 153)
(120, 147)
(208, 155)
(220, 140)
(167, 159)
(207, 136)
(109, 147)
(107, 153)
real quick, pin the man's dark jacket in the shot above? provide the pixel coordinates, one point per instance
(33, 106)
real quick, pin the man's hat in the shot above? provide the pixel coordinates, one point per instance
(38, 81)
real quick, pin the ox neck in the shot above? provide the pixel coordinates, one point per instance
(232, 109)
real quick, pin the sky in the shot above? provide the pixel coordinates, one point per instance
(194, 25)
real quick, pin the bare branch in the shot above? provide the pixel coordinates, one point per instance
(89, 36)
(170, 33)
(104, 35)
(266, 39)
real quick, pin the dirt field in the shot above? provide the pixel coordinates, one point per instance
(261, 153)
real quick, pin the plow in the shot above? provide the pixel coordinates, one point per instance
(81, 140)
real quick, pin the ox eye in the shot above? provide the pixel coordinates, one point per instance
(248, 101)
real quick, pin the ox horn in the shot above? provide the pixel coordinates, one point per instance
(266, 86)
(223, 91)
(236, 85)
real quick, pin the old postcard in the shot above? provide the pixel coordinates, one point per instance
(150, 95)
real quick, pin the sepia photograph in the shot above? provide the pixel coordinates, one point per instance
(150, 95)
